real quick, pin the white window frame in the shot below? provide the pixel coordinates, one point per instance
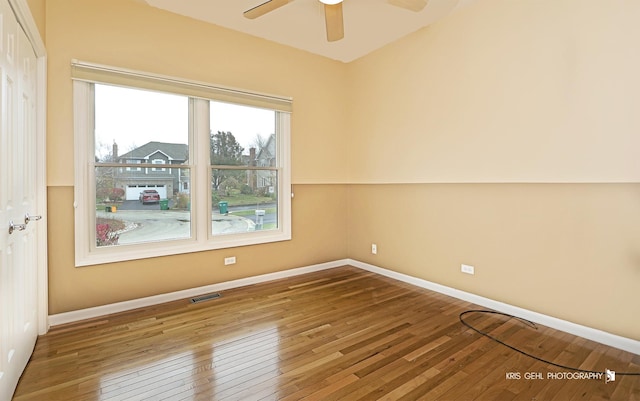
(86, 252)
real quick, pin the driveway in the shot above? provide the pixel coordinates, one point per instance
(137, 205)
(149, 223)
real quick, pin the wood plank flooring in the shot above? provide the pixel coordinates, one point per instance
(338, 334)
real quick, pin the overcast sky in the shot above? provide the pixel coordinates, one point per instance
(132, 117)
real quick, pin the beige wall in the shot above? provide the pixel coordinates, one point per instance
(128, 34)
(317, 237)
(501, 131)
(504, 137)
(570, 251)
(503, 91)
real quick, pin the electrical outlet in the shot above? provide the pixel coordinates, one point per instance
(230, 261)
(374, 249)
(467, 269)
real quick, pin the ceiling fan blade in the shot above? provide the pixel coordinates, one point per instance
(333, 21)
(413, 5)
(262, 9)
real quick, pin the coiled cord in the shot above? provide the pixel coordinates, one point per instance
(533, 325)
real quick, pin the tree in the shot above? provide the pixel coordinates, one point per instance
(105, 176)
(259, 142)
(224, 151)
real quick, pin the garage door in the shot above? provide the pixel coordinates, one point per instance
(133, 191)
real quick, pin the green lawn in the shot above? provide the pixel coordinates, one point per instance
(245, 200)
(232, 200)
(271, 210)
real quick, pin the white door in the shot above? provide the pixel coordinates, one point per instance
(18, 199)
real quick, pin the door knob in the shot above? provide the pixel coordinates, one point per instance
(28, 218)
(16, 227)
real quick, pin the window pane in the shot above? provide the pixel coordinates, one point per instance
(138, 204)
(242, 135)
(243, 200)
(139, 126)
(128, 213)
(246, 200)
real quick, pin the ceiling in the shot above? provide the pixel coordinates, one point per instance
(368, 24)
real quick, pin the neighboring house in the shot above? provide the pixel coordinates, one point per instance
(167, 181)
(266, 158)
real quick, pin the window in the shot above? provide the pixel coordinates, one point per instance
(157, 161)
(235, 165)
(224, 180)
(135, 161)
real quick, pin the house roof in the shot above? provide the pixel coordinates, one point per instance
(268, 150)
(176, 151)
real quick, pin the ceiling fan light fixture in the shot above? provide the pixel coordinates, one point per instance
(330, 2)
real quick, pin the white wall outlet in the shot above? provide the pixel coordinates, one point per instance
(467, 269)
(374, 249)
(230, 261)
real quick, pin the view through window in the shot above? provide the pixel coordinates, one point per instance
(165, 166)
(135, 132)
(143, 168)
(243, 154)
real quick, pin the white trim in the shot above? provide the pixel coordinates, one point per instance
(41, 179)
(89, 313)
(83, 146)
(92, 72)
(25, 19)
(589, 333)
(201, 237)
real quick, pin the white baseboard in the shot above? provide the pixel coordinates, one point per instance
(90, 313)
(589, 333)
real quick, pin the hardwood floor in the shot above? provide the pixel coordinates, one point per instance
(339, 334)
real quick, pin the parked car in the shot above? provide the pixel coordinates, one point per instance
(149, 196)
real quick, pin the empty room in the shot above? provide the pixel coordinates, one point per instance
(320, 200)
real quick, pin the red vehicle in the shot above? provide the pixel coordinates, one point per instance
(149, 196)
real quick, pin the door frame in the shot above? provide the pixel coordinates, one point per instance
(25, 20)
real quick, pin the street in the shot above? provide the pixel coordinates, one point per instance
(146, 223)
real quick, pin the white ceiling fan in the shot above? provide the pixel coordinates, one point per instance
(332, 13)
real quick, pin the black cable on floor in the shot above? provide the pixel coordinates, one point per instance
(533, 325)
